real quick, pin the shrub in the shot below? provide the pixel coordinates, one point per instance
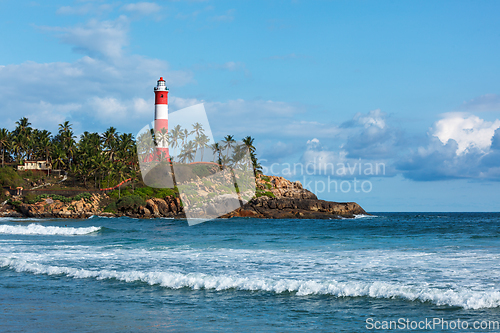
(9, 177)
(130, 202)
(16, 204)
(111, 208)
(164, 192)
(85, 195)
(30, 198)
(144, 191)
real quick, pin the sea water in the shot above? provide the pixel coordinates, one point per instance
(251, 275)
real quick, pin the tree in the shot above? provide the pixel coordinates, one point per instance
(44, 143)
(22, 125)
(109, 141)
(188, 153)
(216, 152)
(66, 139)
(175, 136)
(228, 143)
(248, 141)
(198, 129)
(201, 142)
(4, 142)
(58, 156)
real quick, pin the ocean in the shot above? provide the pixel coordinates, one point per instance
(252, 275)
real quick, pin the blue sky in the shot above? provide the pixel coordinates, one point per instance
(411, 85)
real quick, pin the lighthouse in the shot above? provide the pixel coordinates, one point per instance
(161, 117)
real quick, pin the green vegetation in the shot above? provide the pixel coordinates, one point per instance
(261, 193)
(10, 178)
(31, 198)
(96, 159)
(202, 170)
(103, 160)
(130, 202)
(111, 208)
(144, 192)
(193, 143)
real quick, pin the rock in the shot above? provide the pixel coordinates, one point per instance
(105, 214)
(291, 201)
(264, 207)
(146, 212)
(163, 208)
(151, 205)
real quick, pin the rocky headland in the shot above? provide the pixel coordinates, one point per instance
(276, 198)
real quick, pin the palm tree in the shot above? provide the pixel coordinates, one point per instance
(22, 125)
(185, 136)
(66, 137)
(4, 142)
(22, 135)
(45, 145)
(198, 129)
(201, 142)
(18, 146)
(109, 139)
(65, 127)
(145, 145)
(175, 136)
(58, 156)
(248, 141)
(188, 152)
(216, 152)
(162, 138)
(228, 143)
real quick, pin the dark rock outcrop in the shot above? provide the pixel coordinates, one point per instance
(280, 208)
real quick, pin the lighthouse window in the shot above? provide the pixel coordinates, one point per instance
(161, 96)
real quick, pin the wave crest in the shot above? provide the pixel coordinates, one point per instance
(37, 229)
(465, 298)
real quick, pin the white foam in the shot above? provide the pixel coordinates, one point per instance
(360, 216)
(37, 229)
(465, 298)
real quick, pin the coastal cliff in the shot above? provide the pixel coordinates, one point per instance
(276, 197)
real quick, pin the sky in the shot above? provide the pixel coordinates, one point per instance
(392, 104)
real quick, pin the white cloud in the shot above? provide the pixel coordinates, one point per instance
(69, 10)
(487, 102)
(313, 143)
(114, 112)
(96, 38)
(85, 9)
(94, 91)
(373, 118)
(469, 131)
(143, 8)
(460, 146)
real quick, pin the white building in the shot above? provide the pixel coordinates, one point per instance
(35, 165)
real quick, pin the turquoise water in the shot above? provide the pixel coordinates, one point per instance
(248, 275)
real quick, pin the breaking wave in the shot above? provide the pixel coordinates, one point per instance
(360, 216)
(465, 298)
(37, 229)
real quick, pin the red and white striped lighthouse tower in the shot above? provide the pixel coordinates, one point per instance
(161, 117)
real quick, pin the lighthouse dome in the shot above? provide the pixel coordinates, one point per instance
(161, 84)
